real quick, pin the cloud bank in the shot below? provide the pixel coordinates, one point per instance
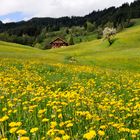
(55, 8)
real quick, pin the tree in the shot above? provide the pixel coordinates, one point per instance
(67, 31)
(90, 27)
(122, 16)
(42, 36)
(71, 41)
(99, 32)
(135, 8)
(109, 34)
(1, 23)
(109, 24)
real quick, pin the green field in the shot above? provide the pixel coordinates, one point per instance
(123, 54)
(82, 92)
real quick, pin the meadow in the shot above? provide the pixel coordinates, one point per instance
(82, 92)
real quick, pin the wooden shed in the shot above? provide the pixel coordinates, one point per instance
(58, 43)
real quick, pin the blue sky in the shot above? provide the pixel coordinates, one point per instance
(17, 16)
(17, 10)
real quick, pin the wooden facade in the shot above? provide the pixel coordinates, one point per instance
(58, 43)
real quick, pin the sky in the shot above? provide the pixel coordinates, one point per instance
(17, 10)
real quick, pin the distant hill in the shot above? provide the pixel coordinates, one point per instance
(112, 14)
(123, 54)
(119, 16)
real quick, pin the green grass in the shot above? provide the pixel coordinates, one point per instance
(123, 54)
(51, 92)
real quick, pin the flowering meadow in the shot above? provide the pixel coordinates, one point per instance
(40, 101)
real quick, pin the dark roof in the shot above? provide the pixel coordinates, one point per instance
(58, 38)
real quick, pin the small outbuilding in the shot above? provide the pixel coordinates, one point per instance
(58, 43)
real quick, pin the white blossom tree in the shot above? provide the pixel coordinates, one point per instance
(109, 34)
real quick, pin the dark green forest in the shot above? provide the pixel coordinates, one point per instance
(38, 32)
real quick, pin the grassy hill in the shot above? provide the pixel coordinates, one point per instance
(123, 54)
(82, 92)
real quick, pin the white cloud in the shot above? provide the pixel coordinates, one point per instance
(55, 8)
(7, 20)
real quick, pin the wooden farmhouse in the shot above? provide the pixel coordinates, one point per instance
(58, 43)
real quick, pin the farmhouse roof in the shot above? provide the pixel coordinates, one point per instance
(58, 38)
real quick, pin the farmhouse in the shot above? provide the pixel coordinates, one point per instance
(58, 43)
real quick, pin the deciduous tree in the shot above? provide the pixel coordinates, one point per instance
(109, 34)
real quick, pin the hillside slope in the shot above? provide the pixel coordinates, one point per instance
(123, 54)
(49, 95)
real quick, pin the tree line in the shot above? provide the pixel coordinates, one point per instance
(30, 32)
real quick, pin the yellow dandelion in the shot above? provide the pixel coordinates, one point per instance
(53, 124)
(33, 130)
(57, 138)
(45, 120)
(4, 139)
(133, 136)
(24, 138)
(14, 124)
(62, 132)
(51, 132)
(41, 111)
(102, 127)
(60, 116)
(101, 133)
(90, 135)
(69, 125)
(18, 124)
(66, 137)
(61, 124)
(21, 132)
(4, 109)
(4, 118)
(13, 130)
(134, 131)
